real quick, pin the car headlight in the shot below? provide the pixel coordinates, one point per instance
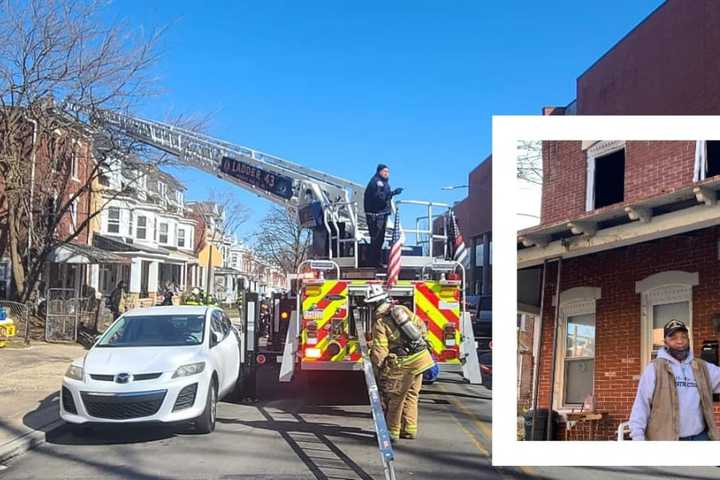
(189, 369)
(74, 372)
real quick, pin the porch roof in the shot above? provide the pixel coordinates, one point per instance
(122, 248)
(685, 209)
(85, 254)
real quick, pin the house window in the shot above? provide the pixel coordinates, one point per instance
(664, 296)
(575, 367)
(605, 174)
(579, 357)
(479, 253)
(181, 238)
(163, 233)
(74, 167)
(74, 213)
(141, 227)
(113, 223)
(713, 158)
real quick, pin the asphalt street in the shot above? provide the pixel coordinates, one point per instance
(316, 428)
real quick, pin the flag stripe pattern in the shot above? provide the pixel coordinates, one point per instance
(458, 251)
(395, 251)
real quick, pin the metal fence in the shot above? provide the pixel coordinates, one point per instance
(20, 315)
(62, 315)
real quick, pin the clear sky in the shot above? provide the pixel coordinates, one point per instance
(340, 86)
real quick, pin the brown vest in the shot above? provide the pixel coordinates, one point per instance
(664, 423)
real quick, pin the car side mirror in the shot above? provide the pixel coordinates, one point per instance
(216, 337)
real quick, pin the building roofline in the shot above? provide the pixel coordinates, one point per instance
(622, 39)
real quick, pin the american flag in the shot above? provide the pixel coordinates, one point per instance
(456, 243)
(397, 242)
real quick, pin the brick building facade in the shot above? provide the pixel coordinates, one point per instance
(636, 224)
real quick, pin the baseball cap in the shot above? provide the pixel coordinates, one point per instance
(673, 326)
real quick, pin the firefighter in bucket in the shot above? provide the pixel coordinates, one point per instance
(400, 354)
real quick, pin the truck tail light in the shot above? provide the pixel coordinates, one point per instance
(311, 352)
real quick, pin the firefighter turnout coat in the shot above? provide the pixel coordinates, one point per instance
(400, 372)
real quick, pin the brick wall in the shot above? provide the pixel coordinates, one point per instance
(667, 65)
(564, 177)
(617, 319)
(651, 168)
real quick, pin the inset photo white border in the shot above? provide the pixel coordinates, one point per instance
(506, 449)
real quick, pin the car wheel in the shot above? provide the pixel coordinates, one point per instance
(205, 423)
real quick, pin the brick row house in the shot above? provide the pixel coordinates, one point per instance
(62, 165)
(629, 234)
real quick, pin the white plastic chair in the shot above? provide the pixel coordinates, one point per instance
(622, 430)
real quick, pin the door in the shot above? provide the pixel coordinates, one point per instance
(216, 349)
(231, 349)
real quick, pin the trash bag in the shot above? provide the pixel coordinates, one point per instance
(431, 374)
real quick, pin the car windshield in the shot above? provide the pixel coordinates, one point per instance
(155, 331)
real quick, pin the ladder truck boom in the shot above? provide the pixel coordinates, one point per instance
(291, 185)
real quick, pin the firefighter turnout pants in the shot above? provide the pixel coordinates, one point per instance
(400, 389)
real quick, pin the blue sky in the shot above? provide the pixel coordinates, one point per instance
(340, 86)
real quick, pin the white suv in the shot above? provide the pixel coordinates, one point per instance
(164, 364)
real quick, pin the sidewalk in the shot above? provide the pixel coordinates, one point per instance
(30, 379)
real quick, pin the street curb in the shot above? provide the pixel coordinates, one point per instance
(28, 441)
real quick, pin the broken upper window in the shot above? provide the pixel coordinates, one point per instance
(610, 179)
(713, 158)
(707, 159)
(605, 174)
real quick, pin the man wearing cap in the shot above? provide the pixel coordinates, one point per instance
(674, 397)
(377, 208)
(400, 355)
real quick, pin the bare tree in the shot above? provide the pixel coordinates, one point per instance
(234, 211)
(60, 65)
(529, 161)
(281, 241)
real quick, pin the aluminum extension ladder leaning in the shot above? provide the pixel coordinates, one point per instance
(383, 436)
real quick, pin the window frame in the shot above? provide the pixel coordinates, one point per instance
(673, 286)
(144, 227)
(597, 150)
(160, 233)
(111, 222)
(573, 302)
(181, 234)
(74, 212)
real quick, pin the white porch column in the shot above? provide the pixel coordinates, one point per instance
(153, 277)
(135, 275)
(94, 276)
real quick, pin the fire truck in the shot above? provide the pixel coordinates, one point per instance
(327, 326)
(322, 331)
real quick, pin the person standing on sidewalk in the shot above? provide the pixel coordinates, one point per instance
(674, 397)
(116, 298)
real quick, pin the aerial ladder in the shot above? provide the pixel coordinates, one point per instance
(330, 325)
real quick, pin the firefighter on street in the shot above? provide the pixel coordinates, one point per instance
(196, 297)
(377, 209)
(400, 354)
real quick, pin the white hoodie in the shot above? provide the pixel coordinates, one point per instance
(691, 415)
